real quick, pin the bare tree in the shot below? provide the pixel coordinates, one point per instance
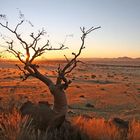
(57, 88)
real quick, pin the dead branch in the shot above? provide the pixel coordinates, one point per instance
(71, 64)
(14, 32)
(32, 69)
(38, 51)
(25, 74)
(13, 51)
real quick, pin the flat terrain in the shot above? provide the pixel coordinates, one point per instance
(100, 88)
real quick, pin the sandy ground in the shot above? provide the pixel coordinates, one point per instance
(112, 88)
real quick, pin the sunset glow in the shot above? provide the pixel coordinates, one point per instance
(119, 35)
(69, 69)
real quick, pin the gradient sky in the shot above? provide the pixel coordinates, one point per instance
(119, 19)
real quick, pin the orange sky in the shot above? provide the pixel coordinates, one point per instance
(119, 35)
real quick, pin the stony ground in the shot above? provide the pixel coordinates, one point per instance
(101, 88)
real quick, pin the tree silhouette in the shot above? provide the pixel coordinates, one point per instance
(57, 89)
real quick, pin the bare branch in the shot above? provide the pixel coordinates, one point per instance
(14, 32)
(13, 51)
(40, 51)
(92, 29)
(71, 64)
(18, 25)
(66, 58)
(37, 51)
(25, 74)
(37, 38)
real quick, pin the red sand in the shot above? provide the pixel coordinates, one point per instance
(113, 87)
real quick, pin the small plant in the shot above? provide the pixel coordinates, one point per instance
(93, 76)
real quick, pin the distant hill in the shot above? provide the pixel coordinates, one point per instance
(125, 58)
(138, 58)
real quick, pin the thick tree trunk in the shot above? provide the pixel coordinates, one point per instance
(44, 117)
(60, 100)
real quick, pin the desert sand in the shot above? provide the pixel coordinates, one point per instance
(100, 87)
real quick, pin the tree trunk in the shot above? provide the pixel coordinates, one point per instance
(60, 99)
(48, 118)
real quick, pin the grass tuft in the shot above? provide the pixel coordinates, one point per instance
(15, 127)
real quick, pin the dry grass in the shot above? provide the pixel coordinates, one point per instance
(134, 131)
(14, 127)
(97, 129)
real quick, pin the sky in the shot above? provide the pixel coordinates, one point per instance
(118, 36)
